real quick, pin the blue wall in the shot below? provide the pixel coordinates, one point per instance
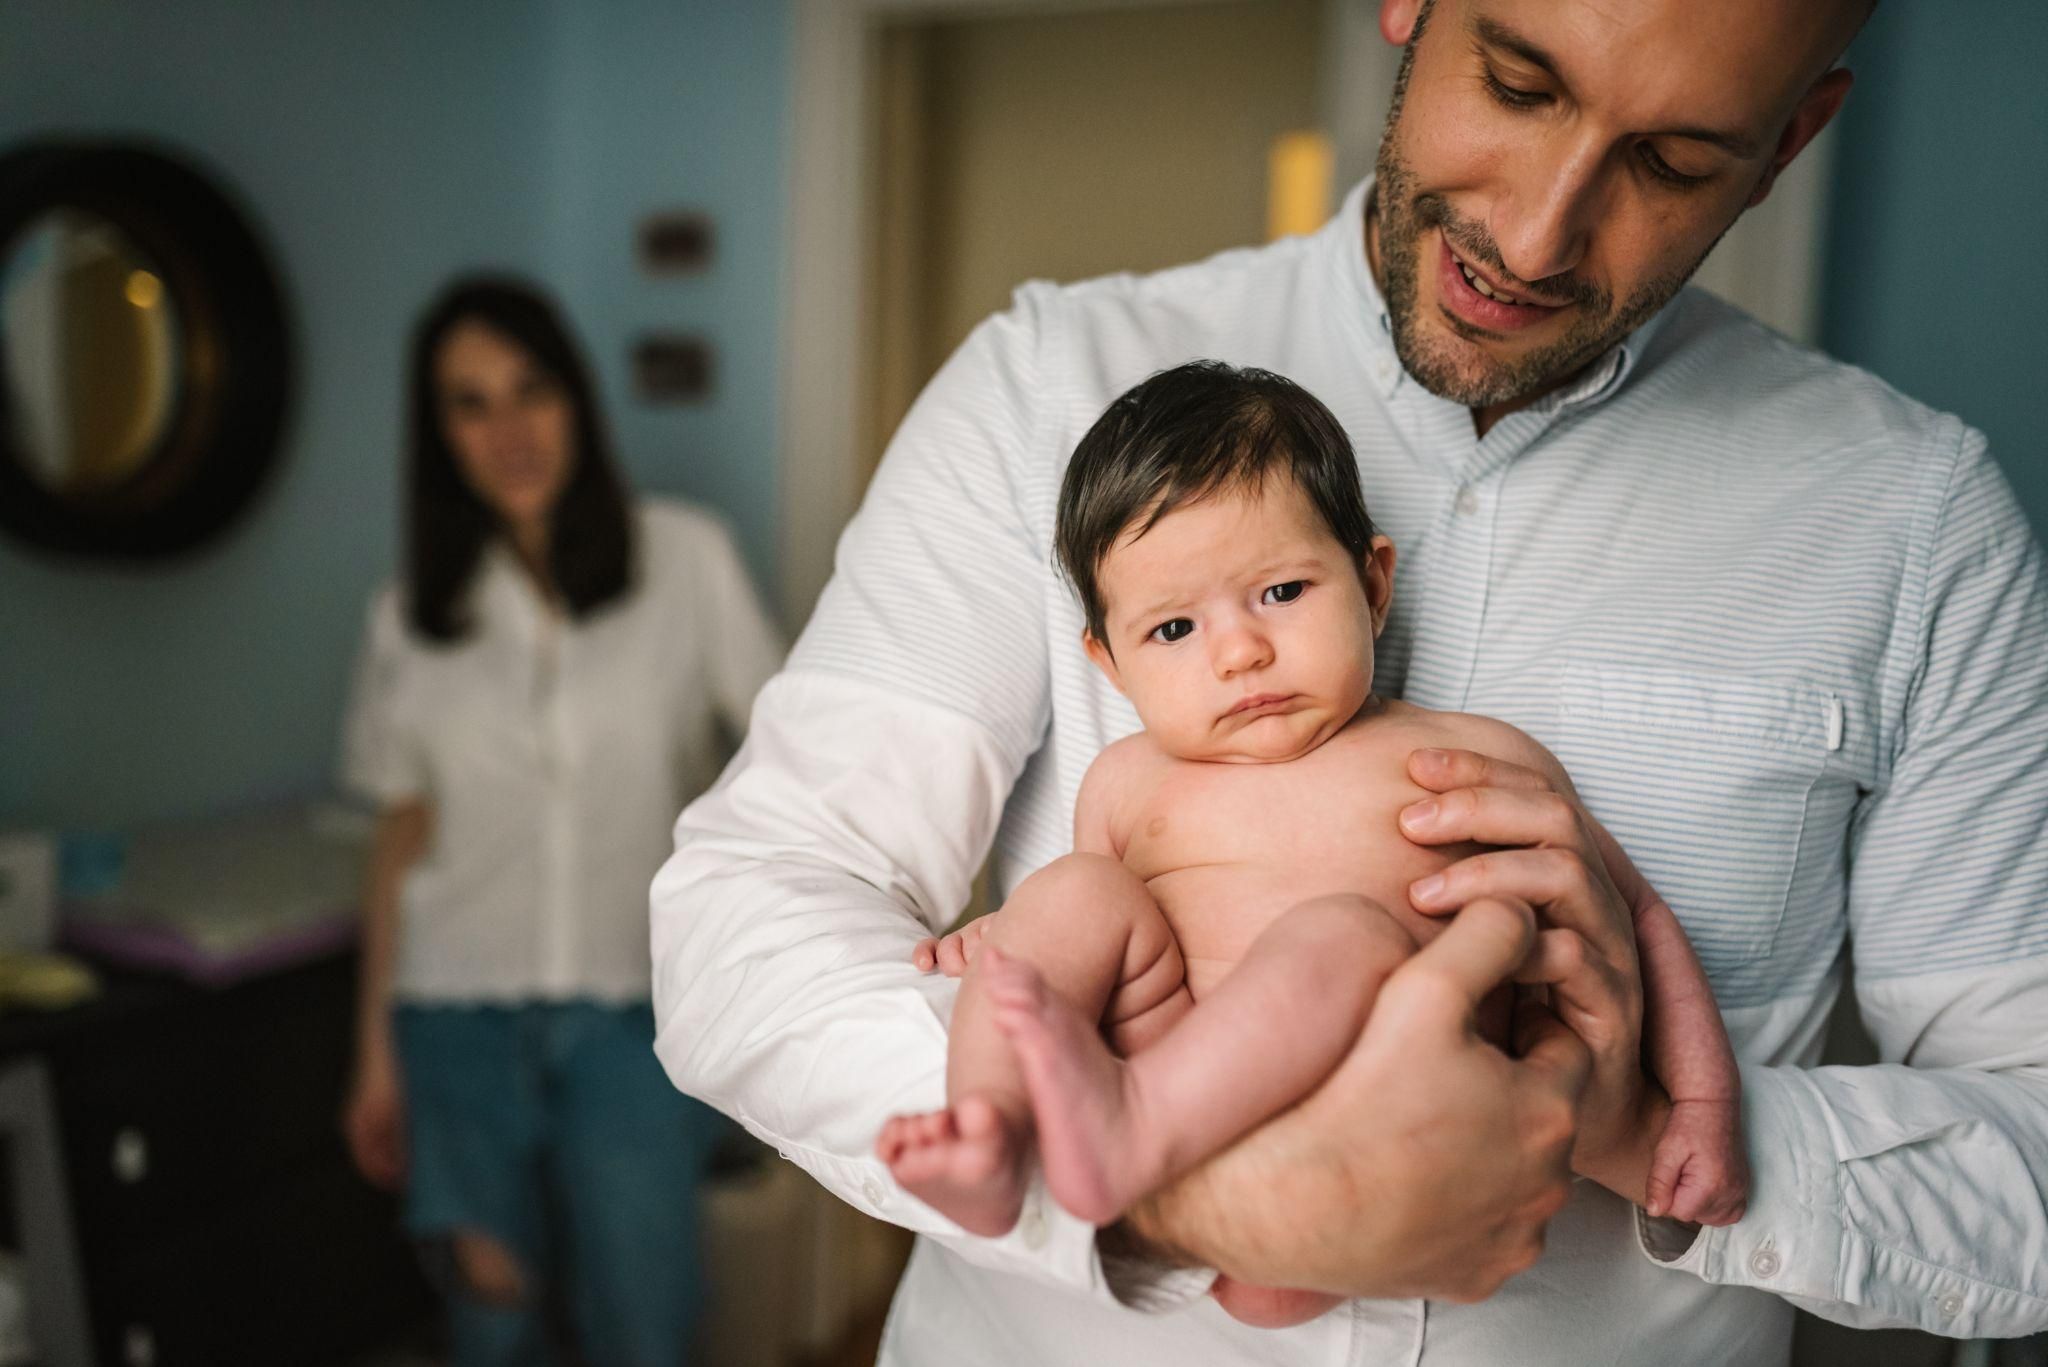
(379, 147)
(1937, 277)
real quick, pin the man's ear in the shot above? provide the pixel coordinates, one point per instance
(1821, 102)
(1397, 20)
(1376, 572)
(1104, 661)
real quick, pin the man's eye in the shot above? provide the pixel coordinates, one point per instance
(1663, 170)
(1285, 593)
(1514, 97)
(1169, 632)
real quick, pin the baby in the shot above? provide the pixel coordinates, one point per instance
(1239, 884)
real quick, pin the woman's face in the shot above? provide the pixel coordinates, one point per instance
(509, 423)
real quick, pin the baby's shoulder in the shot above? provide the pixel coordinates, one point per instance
(1123, 764)
(1415, 728)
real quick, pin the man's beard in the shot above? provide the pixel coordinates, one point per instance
(1467, 374)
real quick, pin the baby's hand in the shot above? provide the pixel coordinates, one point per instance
(1699, 1172)
(951, 954)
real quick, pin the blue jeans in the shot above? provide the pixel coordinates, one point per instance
(550, 1128)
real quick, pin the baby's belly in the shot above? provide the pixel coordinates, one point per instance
(1217, 910)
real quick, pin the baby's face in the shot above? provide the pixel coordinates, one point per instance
(1240, 628)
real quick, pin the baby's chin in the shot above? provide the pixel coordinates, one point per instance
(1268, 740)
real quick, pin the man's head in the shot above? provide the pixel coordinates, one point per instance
(1553, 171)
(1212, 523)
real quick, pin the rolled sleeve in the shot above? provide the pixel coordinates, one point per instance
(1914, 1192)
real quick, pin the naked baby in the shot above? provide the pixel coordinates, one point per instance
(1239, 883)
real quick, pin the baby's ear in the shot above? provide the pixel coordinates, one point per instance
(1104, 661)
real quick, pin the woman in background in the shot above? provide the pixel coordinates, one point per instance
(536, 700)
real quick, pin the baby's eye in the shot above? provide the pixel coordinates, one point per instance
(1285, 593)
(1169, 632)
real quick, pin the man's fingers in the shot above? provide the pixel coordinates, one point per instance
(1497, 815)
(1441, 770)
(1559, 954)
(1446, 978)
(1546, 1045)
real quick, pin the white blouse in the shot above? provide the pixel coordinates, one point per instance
(555, 755)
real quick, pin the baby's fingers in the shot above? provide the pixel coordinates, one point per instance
(1667, 1166)
(926, 955)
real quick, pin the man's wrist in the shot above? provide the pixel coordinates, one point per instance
(1623, 1166)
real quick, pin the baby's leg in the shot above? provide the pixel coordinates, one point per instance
(1089, 928)
(1110, 1131)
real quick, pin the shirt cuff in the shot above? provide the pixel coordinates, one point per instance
(1142, 1282)
(1789, 1240)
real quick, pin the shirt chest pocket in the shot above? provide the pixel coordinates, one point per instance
(1707, 782)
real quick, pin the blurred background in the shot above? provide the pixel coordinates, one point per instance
(768, 223)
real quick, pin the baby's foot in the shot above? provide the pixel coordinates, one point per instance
(1698, 1172)
(965, 1162)
(1088, 1141)
(1270, 1307)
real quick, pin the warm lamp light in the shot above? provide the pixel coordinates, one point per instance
(1299, 169)
(144, 290)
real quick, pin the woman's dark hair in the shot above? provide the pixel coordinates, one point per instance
(590, 530)
(1199, 429)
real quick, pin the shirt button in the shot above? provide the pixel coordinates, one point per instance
(1032, 1227)
(1950, 1306)
(1764, 1262)
(872, 1189)
(1384, 368)
(1468, 502)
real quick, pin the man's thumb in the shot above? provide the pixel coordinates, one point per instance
(1478, 951)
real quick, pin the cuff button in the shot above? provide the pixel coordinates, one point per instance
(1950, 1305)
(1764, 1262)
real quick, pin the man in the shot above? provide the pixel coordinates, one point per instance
(1785, 628)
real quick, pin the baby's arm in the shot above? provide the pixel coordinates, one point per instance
(1698, 1171)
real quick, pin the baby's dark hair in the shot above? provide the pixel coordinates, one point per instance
(1200, 429)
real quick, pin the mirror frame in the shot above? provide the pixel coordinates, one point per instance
(232, 390)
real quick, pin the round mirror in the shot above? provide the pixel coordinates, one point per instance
(143, 352)
(91, 353)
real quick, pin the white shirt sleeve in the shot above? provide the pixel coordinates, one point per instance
(745, 648)
(862, 802)
(1915, 1192)
(381, 758)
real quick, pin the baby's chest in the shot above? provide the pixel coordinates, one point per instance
(1226, 851)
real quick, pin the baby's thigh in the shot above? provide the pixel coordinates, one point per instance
(1089, 926)
(1338, 949)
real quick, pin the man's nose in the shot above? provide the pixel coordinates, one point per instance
(1543, 224)
(1240, 647)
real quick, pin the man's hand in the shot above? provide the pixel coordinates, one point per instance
(1584, 891)
(1426, 1165)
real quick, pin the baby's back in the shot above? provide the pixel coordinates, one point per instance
(1225, 848)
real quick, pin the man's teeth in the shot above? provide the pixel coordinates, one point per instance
(1484, 288)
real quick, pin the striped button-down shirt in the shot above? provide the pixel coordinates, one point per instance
(1786, 629)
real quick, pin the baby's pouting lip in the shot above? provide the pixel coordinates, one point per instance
(1258, 702)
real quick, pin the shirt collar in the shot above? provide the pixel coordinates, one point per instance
(1597, 382)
